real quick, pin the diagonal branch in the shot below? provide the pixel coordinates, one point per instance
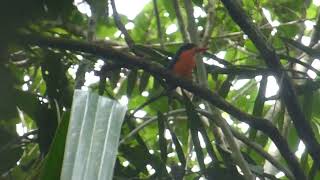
(297, 61)
(273, 61)
(262, 152)
(120, 25)
(154, 68)
(254, 146)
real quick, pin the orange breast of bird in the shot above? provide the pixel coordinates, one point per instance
(185, 64)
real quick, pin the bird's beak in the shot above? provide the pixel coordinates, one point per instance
(199, 50)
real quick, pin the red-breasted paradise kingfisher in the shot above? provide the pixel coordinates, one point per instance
(184, 60)
(182, 65)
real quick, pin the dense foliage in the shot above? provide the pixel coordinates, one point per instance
(253, 106)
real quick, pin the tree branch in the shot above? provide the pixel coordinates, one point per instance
(84, 65)
(182, 27)
(272, 60)
(264, 154)
(120, 25)
(297, 61)
(147, 122)
(191, 27)
(156, 12)
(209, 24)
(154, 68)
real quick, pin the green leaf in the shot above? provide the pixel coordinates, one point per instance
(131, 81)
(240, 96)
(208, 143)
(312, 11)
(142, 24)
(28, 166)
(217, 172)
(136, 156)
(54, 75)
(193, 123)
(258, 111)
(162, 139)
(250, 46)
(102, 85)
(28, 103)
(44, 117)
(144, 79)
(114, 77)
(179, 150)
(53, 161)
(8, 108)
(168, 5)
(316, 128)
(104, 30)
(317, 175)
(288, 31)
(124, 172)
(316, 104)
(307, 100)
(10, 151)
(198, 2)
(293, 139)
(155, 162)
(160, 104)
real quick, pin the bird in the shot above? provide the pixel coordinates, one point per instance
(184, 60)
(182, 65)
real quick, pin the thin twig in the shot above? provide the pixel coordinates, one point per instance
(209, 24)
(182, 27)
(147, 122)
(84, 64)
(265, 26)
(236, 153)
(191, 27)
(159, 29)
(264, 154)
(120, 25)
(294, 60)
(18, 139)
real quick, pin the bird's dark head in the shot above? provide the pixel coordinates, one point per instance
(191, 48)
(186, 53)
